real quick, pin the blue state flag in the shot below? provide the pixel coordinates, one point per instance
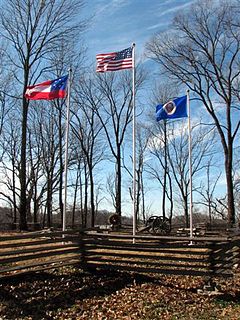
(176, 108)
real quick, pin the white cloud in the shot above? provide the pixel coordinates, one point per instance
(175, 8)
(158, 25)
(110, 8)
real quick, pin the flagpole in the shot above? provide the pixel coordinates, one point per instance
(134, 147)
(66, 151)
(190, 165)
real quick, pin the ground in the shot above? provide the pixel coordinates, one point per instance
(70, 293)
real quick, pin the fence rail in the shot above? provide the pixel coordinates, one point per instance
(37, 251)
(200, 256)
(166, 255)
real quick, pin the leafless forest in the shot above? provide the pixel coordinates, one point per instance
(201, 53)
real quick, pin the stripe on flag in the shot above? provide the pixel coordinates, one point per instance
(115, 60)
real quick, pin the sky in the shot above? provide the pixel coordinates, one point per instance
(116, 24)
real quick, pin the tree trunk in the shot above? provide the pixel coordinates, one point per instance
(229, 169)
(85, 197)
(92, 195)
(118, 183)
(14, 196)
(23, 197)
(186, 212)
(49, 201)
(170, 198)
(143, 199)
(230, 191)
(165, 170)
(75, 199)
(35, 205)
(81, 199)
(138, 193)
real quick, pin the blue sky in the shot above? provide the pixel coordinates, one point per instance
(118, 23)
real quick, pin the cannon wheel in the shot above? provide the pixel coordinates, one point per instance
(161, 225)
(114, 219)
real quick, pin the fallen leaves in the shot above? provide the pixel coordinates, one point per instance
(71, 294)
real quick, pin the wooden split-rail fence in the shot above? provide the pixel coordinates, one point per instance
(38, 251)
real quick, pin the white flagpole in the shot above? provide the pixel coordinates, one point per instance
(190, 165)
(134, 147)
(66, 150)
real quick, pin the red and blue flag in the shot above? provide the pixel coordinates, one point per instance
(115, 60)
(48, 90)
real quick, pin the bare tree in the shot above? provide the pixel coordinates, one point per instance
(178, 160)
(6, 103)
(115, 114)
(142, 140)
(237, 183)
(207, 190)
(159, 148)
(10, 166)
(31, 36)
(159, 168)
(111, 189)
(86, 128)
(202, 52)
(62, 59)
(77, 186)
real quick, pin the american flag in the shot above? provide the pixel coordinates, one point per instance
(115, 60)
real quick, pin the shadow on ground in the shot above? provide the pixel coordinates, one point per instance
(39, 295)
(44, 295)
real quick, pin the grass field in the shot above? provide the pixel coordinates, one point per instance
(69, 293)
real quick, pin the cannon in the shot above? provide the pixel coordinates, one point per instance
(157, 225)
